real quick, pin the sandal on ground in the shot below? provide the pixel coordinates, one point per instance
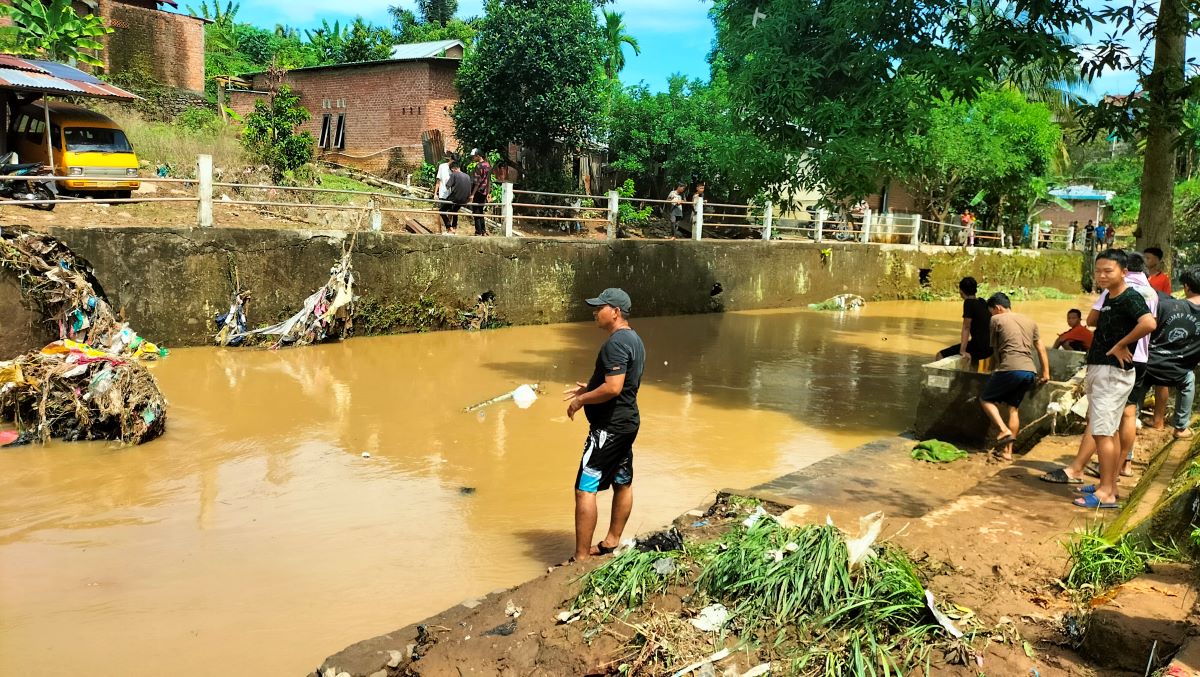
(1090, 501)
(1089, 489)
(1093, 469)
(1001, 441)
(1060, 476)
(602, 549)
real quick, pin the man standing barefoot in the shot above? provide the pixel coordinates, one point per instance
(609, 399)
(1015, 339)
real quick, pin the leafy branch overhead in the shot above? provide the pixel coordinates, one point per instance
(55, 31)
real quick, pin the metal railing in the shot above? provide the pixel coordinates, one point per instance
(573, 212)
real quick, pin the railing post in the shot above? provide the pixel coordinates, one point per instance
(698, 224)
(204, 170)
(768, 219)
(916, 230)
(819, 231)
(376, 215)
(866, 227)
(506, 208)
(614, 210)
(1071, 238)
(1036, 236)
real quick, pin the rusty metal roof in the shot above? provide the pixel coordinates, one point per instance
(51, 77)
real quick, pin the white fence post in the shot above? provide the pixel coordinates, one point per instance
(376, 215)
(506, 208)
(1071, 238)
(614, 209)
(698, 224)
(866, 227)
(915, 238)
(768, 219)
(204, 170)
(819, 231)
(1036, 235)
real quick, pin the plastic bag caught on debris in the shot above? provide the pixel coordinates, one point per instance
(664, 566)
(662, 541)
(524, 396)
(859, 547)
(758, 514)
(942, 619)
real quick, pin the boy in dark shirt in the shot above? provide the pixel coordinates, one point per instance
(973, 342)
(1123, 320)
(609, 399)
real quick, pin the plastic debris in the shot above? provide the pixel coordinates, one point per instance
(366, 454)
(701, 523)
(840, 302)
(758, 514)
(720, 655)
(711, 618)
(326, 315)
(942, 619)
(664, 566)
(568, 617)
(662, 541)
(859, 547)
(512, 610)
(502, 630)
(758, 670)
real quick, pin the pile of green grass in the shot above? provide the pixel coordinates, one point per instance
(1096, 564)
(793, 593)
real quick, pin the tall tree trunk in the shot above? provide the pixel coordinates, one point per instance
(1164, 87)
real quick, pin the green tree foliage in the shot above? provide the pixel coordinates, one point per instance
(615, 39)
(834, 79)
(359, 41)
(410, 28)
(535, 77)
(991, 145)
(688, 134)
(55, 31)
(270, 135)
(439, 12)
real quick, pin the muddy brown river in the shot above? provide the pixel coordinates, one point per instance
(255, 538)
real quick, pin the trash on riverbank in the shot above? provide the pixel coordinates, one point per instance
(72, 392)
(524, 396)
(327, 314)
(62, 288)
(783, 591)
(840, 302)
(937, 451)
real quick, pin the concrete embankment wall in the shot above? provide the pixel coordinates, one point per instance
(170, 282)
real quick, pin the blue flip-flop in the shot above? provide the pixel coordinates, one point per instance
(1089, 489)
(1090, 501)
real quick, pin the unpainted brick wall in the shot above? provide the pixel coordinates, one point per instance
(387, 107)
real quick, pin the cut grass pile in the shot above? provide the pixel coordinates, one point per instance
(1096, 564)
(792, 596)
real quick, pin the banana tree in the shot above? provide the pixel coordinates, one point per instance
(55, 31)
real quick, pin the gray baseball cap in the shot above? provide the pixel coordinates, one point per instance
(614, 297)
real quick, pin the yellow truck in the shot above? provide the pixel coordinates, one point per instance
(86, 144)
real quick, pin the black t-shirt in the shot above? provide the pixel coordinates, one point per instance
(622, 353)
(976, 310)
(1118, 317)
(1175, 344)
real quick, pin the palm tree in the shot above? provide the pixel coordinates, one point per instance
(615, 39)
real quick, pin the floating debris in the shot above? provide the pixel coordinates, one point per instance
(524, 396)
(840, 302)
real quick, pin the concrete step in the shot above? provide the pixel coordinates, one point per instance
(1143, 621)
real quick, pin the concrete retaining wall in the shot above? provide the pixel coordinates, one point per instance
(170, 282)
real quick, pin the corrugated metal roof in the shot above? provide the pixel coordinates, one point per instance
(423, 50)
(51, 77)
(1082, 193)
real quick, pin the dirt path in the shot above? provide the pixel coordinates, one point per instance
(992, 546)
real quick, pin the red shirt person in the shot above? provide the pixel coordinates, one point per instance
(1157, 278)
(1078, 337)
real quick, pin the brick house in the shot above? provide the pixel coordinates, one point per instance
(165, 45)
(374, 114)
(1087, 204)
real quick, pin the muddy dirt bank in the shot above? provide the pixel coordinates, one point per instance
(993, 549)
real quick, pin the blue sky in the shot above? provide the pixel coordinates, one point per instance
(675, 35)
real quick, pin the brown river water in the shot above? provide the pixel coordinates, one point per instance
(255, 539)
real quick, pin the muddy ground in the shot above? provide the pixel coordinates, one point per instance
(995, 550)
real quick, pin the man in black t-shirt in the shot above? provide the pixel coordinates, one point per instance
(609, 400)
(973, 342)
(1174, 355)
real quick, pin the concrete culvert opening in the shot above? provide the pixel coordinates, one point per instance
(716, 290)
(925, 273)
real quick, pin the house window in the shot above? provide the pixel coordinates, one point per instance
(325, 136)
(340, 140)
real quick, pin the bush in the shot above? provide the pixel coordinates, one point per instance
(425, 175)
(200, 120)
(270, 134)
(627, 214)
(161, 143)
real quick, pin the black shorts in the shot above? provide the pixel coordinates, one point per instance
(954, 351)
(1140, 387)
(1008, 387)
(607, 460)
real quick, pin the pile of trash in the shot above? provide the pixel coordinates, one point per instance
(327, 314)
(91, 383)
(71, 391)
(840, 302)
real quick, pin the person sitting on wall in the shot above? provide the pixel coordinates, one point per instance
(1014, 338)
(973, 344)
(1077, 336)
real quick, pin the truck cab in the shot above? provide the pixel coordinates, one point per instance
(86, 144)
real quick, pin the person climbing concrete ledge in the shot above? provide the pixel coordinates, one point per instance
(1014, 337)
(609, 399)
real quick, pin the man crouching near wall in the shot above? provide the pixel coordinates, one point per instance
(609, 400)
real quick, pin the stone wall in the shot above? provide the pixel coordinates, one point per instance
(171, 282)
